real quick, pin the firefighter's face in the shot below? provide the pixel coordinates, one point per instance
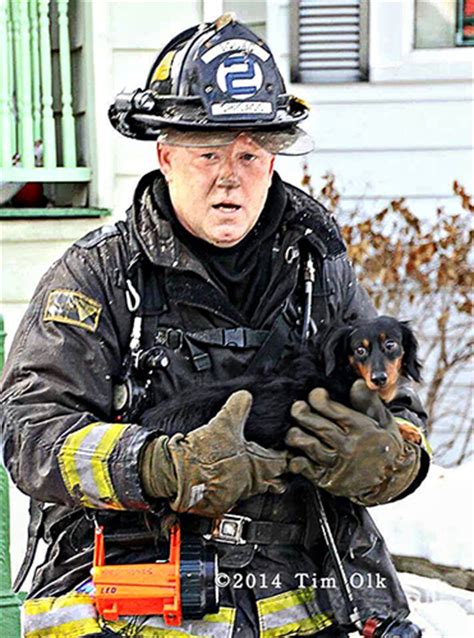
(218, 192)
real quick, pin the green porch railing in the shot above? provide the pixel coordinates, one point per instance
(37, 136)
(9, 602)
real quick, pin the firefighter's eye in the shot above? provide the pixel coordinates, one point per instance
(390, 344)
(361, 351)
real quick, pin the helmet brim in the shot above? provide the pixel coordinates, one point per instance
(289, 141)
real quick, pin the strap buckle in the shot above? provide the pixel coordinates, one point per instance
(171, 337)
(228, 529)
(234, 337)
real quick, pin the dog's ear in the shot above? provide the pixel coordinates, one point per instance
(411, 366)
(335, 348)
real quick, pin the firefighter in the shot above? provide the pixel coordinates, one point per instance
(202, 282)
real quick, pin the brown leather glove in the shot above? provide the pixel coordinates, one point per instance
(208, 470)
(358, 454)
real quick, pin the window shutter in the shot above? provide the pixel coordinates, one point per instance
(329, 40)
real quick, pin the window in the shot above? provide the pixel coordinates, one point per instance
(329, 41)
(465, 23)
(43, 167)
(444, 23)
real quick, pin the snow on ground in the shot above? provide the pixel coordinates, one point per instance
(440, 610)
(436, 522)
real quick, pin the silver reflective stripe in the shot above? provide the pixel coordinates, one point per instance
(218, 625)
(293, 610)
(83, 459)
(56, 617)
(75, 615)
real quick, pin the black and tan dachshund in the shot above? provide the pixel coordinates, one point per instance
(379, 350)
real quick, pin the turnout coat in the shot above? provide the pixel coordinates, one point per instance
(64, 446)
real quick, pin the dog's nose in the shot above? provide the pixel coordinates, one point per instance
(379, 379)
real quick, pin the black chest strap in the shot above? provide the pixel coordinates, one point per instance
(270, 343)
(273, 346)
(240, 338)
(230, 337)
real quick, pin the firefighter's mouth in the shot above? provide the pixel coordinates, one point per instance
(227, 207)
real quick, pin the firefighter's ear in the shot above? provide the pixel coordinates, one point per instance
(335, 349)
(411, 365)
(165, 159)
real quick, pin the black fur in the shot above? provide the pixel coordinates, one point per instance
(324, 362)
(411, 366)
(336, 349)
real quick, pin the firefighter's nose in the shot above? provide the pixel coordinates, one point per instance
(379, 378)
(228, 180)
(228, 177)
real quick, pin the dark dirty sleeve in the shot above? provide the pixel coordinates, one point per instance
(355, 303)
(59, 443)
(407, 406)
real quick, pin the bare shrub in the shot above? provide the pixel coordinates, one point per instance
(420, 270)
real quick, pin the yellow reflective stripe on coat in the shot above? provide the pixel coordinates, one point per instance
(292, 613)
(220, 625)
(74, 615)
(83, 461)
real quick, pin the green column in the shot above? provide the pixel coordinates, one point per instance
(49, 133)
(9, 602)
(23, 82)
(67, 123)
(35, 69)
(6, 113)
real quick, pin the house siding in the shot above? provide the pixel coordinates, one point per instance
(386, 138)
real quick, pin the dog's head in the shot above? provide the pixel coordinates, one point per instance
(378, 350)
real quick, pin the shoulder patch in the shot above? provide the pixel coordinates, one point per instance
(95, 237)
(73, 308)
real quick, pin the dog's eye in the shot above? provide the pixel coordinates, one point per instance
(361, 351)
(390, 344)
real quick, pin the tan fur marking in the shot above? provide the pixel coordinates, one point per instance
(409, 432)
(388, 392)
(365, 372)
(393, 371)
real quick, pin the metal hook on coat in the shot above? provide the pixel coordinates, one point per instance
(133, 300)
(309, 279)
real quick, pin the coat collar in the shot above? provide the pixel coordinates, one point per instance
(154, 237)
